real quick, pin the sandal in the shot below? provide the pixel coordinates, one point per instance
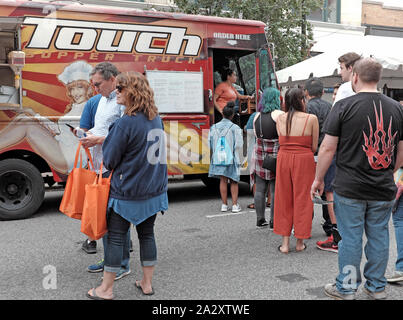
(251, 206)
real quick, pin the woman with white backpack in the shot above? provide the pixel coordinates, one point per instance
(226, 143)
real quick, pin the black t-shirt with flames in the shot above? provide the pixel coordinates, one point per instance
(369, 126)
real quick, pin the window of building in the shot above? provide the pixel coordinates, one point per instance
(330, 12)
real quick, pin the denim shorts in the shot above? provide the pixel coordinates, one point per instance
(329, 176)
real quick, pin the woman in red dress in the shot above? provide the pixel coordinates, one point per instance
(298, 139)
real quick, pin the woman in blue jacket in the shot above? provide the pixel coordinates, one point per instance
(135, 150)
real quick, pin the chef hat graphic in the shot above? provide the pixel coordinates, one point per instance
(79, 70)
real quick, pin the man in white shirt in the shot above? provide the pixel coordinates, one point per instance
(103, 77)
(346, 72)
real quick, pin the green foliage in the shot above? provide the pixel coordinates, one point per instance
(287, 28)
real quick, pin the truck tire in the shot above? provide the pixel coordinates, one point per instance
(22, 189)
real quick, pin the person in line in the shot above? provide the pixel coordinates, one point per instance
(365, 131)
(266, 144)
(346, 62)
(139, 181)
(335, 90)
(321, 108)
(251, 140)
(397, 216)
(298, 138)
(229, 170)
(225, 92)
(103, 77)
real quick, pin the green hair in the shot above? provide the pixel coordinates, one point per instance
(270, 100)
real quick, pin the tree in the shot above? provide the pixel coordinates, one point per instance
(287, 27)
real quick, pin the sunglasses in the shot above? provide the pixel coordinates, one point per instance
(320, 201)
(119, 88)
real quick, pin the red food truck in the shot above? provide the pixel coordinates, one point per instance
(47, 51)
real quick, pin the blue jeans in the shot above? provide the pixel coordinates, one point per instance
(126, 250)
(117, 231)
(353, 217)
(398, 224)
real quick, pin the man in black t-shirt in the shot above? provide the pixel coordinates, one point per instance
(366, 130)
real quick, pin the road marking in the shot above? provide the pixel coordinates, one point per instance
(225, 214)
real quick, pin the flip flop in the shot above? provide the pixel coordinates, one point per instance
(94, 296)
(251, 206)
(138, 286)
(305, 246)
(279, 249)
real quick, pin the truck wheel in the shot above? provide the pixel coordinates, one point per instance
(21, 189)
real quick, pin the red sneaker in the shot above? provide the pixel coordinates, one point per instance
(328, 245)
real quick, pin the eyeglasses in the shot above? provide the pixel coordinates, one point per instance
(119, 88)
(97, 84)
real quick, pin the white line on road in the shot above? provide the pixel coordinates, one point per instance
(225, 214)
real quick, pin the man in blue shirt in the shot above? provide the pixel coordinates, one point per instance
(87, 120)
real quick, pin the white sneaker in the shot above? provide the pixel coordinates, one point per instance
(224, 208)
(236, 208)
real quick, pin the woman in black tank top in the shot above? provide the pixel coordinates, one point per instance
(266, 144)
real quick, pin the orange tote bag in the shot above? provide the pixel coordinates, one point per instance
(93, 220)
(74, 192)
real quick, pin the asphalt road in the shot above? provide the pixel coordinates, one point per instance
(202, 255)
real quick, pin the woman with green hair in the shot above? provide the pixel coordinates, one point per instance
(264, 127)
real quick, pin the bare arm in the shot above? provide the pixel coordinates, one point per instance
(399, 157)
(326, 153)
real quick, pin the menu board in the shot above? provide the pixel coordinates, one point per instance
(177, 91)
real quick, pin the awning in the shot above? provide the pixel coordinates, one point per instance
(387, 50)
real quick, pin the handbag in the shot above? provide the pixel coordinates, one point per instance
(74, 191)
(93, 220)
(269, 162)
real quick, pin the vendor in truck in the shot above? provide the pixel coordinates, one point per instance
(226, 92)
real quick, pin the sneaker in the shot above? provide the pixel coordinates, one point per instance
(98, 267)
(122, 273)
(379, 295)
(396, 277)
(236, 208)
(332, 292)
(328, 245)
(89, 246)
(224, 208)
(262, 224)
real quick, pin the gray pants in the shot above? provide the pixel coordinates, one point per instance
(260, 198)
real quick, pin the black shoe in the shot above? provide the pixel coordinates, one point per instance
(271, 226)
(131, 246)
(262, 224)
(89, 246)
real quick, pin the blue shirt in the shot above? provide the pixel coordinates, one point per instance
(87, 120)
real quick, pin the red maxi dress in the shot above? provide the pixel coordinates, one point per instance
(295, 173)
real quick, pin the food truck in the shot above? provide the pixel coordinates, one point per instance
(47, 52)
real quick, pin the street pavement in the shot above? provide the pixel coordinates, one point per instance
(202, 255)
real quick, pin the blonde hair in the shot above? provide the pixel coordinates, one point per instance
(88, 92)
(138, 93)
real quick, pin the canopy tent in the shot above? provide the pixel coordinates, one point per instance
(387, 50)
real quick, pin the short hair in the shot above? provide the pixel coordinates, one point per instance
(369, 70)
(228, 110)
(314, 86)
(349, 59)
(106, 69)
(225, 73)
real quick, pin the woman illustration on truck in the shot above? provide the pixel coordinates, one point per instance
(54, 141)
